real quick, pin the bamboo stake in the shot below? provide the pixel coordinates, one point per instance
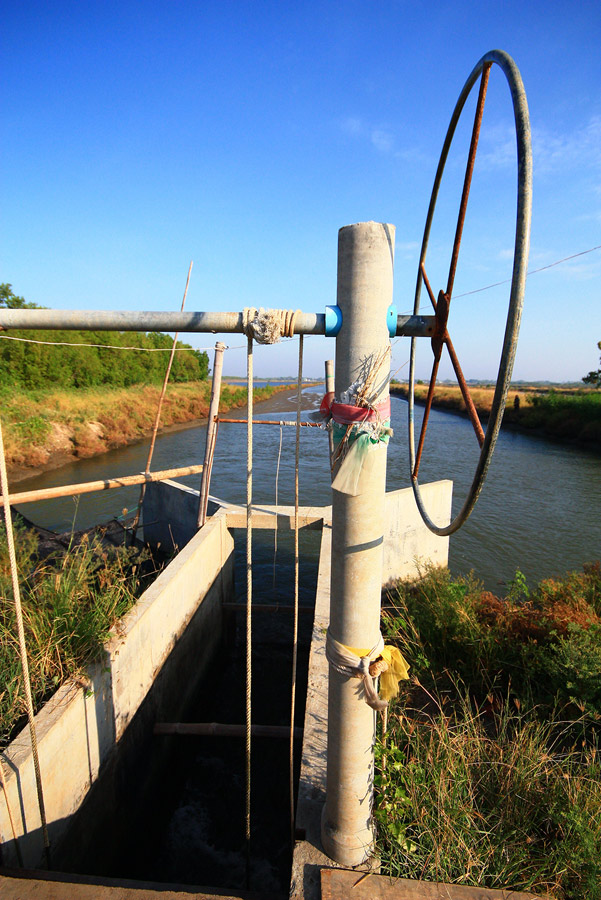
(212, 428)
(89, 487)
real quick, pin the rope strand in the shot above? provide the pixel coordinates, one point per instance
(296, 583)
(249, 459)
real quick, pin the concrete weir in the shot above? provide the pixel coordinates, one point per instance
(158, 656)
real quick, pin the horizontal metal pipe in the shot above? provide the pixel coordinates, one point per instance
(414, 326)
(215, 729)
(88, 487)
(185, 322)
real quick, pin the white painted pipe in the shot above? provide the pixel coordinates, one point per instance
(365, 275)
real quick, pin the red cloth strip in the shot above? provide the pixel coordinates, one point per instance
(345, 414)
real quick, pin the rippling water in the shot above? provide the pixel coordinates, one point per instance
(540, 509)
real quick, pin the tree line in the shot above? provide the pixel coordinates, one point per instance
(31, 366)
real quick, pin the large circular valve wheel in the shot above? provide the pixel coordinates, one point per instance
(441, 302)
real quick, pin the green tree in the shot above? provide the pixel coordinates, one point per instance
(594, 378)
(10, 300)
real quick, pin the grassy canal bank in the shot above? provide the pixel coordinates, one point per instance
(560, 413)
(47, 428)
(489, 772)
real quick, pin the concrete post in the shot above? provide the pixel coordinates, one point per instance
(365, 275)
(211, 434)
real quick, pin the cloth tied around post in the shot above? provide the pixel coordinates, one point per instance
(357, 662)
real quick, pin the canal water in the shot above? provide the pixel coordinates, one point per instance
(539, 511)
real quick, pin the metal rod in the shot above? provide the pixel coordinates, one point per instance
(212, 427)
(215, 729)
(71, 490)
(183, 322)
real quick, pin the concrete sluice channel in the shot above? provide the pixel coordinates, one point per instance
(133, 808)
(188, 825)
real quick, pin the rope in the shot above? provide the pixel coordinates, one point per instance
(10, 337)
(267, 326)
(22, 647)
(249, 457)
(275, 530)
(157, 420)
(296, 584)
(384, 660)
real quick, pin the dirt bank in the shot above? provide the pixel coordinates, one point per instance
(45, 430)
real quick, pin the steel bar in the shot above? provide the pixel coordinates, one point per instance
(88, 487)
(183, 322)
(216, 729)
(270, 422)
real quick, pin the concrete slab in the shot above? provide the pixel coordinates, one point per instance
(339, 884)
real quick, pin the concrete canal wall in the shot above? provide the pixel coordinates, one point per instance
(151, 665)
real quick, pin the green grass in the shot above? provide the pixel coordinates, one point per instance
(489, 773)
(70, 603)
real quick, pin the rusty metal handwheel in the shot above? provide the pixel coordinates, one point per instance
(441, 304)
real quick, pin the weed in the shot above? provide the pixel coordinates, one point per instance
(69, 605)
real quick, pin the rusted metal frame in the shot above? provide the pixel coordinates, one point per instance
(469, 171)
(216, 729)
(518, 280)
(465, 391)
(427, 409)
(89, 487)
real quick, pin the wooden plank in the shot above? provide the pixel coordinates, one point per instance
(342, 884)
(33, 885)
(237, 519)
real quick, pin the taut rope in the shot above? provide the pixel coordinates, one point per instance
(296, 585)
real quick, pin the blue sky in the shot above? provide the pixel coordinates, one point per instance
(243, 135)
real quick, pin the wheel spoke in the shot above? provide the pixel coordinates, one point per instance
(427, 409)
(428, 286)
(465, 391)
(468, 177)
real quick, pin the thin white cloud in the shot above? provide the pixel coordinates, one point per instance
(382, 140)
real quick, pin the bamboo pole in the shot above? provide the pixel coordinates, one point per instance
(89, 487)
(212, 428)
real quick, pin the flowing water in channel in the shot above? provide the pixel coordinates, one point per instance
(539, 511)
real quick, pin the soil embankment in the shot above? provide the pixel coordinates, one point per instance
(569, 415)
(44, 429)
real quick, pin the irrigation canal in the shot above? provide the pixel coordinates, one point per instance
(540, 509)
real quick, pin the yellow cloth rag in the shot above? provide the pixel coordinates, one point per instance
(398, 669)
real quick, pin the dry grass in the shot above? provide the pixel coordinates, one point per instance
(39, 426)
